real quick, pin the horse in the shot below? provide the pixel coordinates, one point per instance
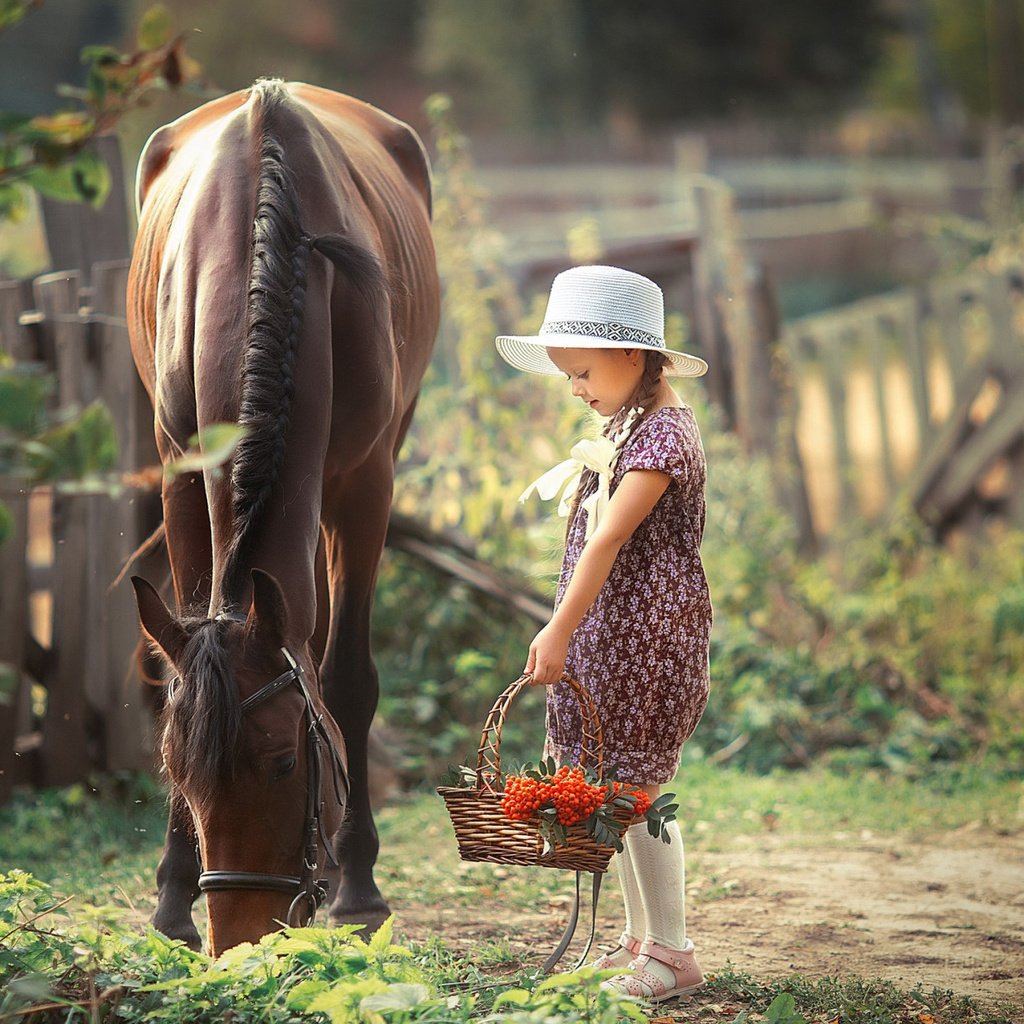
(283, 279)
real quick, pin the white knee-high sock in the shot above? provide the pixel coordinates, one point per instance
(636, 923)
(661, 878)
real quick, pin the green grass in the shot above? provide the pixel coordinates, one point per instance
(105, 838)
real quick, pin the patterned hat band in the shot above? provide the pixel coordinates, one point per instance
(601, 329)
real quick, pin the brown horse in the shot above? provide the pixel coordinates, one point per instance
(284, 279)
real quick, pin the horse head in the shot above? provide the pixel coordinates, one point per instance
(248, 744)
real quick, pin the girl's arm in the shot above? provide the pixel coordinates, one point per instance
(638, 492)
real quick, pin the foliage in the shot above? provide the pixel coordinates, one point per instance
(39, 445)
(76, 448)
(92, 967)
(50, 153)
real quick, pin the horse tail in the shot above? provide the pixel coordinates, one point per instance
(276, 308)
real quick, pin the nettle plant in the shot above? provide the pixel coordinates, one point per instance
(90, 967)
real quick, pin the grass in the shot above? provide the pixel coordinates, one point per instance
(105, 838)
(100, 844)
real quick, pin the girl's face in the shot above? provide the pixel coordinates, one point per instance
(605, 378)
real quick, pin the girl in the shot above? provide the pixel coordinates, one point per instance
(632, 614)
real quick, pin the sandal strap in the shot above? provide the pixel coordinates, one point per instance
(675, 958)
(628, 943)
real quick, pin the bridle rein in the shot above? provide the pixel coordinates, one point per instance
(309, 892)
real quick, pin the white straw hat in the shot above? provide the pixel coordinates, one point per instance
(598, 307)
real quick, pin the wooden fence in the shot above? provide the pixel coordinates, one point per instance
(72, 703)
(917, 397)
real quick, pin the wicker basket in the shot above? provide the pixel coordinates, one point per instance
(483, 830)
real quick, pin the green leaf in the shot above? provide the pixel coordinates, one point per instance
(11, 12)
(8, 681)
(155, 28)
(401, 996)
(513, 996)
(99, 55)
(24, 391)
(6, 522)
(209, 449)
(783, 1010)
(83, 179)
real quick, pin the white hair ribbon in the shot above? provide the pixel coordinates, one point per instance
(599, 454)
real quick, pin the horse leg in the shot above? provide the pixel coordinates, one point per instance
(187, 522)
(177, 878)
(355, 541)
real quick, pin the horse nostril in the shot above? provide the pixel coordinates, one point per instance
(283, 767)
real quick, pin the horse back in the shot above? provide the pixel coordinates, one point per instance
(357, 172)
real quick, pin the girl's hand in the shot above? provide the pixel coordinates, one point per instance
(546, 661)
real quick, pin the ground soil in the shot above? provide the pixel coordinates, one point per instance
(947, 913)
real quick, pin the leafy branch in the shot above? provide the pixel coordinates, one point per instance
(50, 152)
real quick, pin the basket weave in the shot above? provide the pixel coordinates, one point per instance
(483, 830)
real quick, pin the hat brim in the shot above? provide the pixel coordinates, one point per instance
(529, 353)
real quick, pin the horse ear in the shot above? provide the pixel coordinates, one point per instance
(269, 614)
(158, 622)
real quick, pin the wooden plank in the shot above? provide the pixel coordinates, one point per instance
(998, 435)
(15, 694)
(65, 752)
(933, 462)
(912, 325)
(878, 354)
(1004, 343)
(946, 304)
(708, 325)
(835, 364)
(127, 724)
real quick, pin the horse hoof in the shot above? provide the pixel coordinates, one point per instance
(371, 918)
(183, 931)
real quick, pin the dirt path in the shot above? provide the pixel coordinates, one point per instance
(946, 914)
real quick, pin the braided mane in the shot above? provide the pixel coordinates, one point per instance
(276, 307)
(276, 303)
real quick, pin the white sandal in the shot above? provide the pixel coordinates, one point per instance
(642, 984)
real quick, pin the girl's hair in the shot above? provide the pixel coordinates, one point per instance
(646, 389)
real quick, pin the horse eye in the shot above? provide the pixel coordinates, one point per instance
(283, 767)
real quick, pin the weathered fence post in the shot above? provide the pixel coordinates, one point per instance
(774, 408)
(66, 756)
(15, 695)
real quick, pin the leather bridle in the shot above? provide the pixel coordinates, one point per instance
(309, 892)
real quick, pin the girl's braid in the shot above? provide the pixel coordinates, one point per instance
(641, 399)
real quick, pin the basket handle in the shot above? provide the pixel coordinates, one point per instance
(488, 757)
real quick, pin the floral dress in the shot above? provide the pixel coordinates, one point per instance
(641, 650)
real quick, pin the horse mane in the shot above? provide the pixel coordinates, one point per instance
(276, 307)
(203, 720)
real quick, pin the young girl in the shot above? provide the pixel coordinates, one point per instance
(632, 614)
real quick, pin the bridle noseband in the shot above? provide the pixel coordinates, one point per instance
(309, 892)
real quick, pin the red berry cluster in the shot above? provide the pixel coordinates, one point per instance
(568, 792)
(643, 801)
(524, 797)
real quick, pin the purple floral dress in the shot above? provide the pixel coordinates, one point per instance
(642, 648)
